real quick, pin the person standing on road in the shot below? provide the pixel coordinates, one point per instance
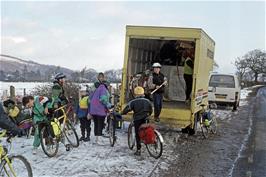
(188, 74)
(156, 83)
(99, 105)
(142, 109)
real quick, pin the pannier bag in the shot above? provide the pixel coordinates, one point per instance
(147, 134)
(55, 125)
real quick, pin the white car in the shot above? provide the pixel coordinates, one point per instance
(224, 89)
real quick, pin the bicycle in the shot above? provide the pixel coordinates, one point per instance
(71, 114)
(112, 119)
(56, 130)
(208, 122)
(155, 148)
(13, 165)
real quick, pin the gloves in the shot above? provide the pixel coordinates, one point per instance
(109, 105)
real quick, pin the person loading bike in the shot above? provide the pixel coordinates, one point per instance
(142, 109)
(7, 124)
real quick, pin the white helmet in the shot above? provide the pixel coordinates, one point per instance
(156, 65)
(83, 89)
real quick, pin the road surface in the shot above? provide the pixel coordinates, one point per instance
(252, 162)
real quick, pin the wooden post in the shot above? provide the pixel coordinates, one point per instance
(12, 92)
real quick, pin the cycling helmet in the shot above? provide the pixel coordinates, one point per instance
(59, 76)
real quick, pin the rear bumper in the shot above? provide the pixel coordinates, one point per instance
(223, 102)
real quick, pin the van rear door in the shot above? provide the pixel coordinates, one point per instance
(222, 88)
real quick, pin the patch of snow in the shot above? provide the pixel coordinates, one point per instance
(243, 96)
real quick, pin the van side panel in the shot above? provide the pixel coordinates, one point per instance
(203, 66)
(124, 75)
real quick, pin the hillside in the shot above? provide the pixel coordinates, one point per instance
(16, 69)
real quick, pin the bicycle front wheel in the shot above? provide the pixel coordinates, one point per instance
(131, 136)
(49, 143)
(71, 134)
(112, 128)
(18, 167)
(155, 150)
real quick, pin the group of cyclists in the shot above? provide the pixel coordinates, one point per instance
(93, 106)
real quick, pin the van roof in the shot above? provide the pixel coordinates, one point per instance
(184, 28)
(224, 74)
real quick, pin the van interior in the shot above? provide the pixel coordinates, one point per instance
(171, 54)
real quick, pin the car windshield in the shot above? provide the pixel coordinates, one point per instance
(224, 81)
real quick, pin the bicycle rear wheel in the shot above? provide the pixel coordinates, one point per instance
(155, 150)
(213, 125)
(204, 130)
(71, 134)
(112, 128)
(131, 136)
(49, 143)
(18, 167)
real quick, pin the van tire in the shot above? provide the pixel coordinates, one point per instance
(192, 129)
(235, 106)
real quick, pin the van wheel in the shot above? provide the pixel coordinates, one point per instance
(192, 129)
(235, 106)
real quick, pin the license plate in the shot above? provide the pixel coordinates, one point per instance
(220, 96)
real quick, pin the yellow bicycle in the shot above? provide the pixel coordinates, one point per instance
(13, 165)
(58, 129)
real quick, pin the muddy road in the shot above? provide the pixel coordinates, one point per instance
(221, 154)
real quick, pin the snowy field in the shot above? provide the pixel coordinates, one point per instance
(29, 86)
(91, 160)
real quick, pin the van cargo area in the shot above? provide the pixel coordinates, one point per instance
(144, 52)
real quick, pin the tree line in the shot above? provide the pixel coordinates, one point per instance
(251, 67)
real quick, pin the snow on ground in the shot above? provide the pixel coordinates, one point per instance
(243, 95)
(225, 112)
(91, 160)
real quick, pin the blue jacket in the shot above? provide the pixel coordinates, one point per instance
(82, 113)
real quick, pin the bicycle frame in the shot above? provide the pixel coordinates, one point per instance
(4, 158)
(64, 117)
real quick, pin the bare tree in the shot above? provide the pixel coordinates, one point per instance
(242, 68)
(254, 62)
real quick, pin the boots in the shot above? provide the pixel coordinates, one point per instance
(137, 153)
(81, 138)
(156, 119)
(86, 139)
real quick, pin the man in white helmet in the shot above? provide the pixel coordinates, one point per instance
(156, 83)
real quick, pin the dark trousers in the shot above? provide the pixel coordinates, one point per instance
(157, 101)
(85, 125)
(98, 125)
(188, 79)
(137, 124)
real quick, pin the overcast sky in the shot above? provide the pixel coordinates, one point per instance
(92, 34)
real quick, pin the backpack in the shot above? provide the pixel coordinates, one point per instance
(83, 103)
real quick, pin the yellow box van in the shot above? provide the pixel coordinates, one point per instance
(145, 45)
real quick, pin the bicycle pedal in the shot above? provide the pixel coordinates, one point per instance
(67, 147)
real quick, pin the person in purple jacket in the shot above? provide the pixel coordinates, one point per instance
(99, 105)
